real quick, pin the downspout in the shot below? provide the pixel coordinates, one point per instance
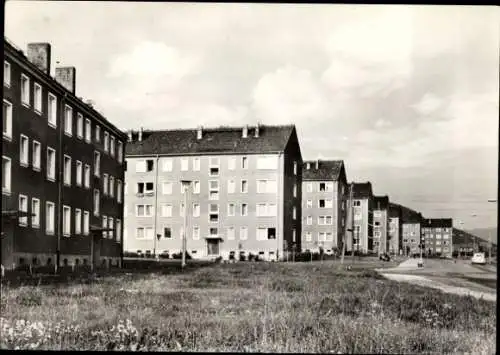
(278, 209)
(60, 182)
(156, 205)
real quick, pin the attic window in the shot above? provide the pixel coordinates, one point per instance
(150, 165)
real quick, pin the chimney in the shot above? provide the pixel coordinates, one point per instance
(317, 164)
(140, 134)
(199, 132)
(308, 165)
(66, 76)
(130, 136)
(39, 54)
(257, 128)
(245, 131)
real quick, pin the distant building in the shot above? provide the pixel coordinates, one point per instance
(324, 193)
(363, 218)
(62, 168)
(438, 236)
(244, 195)
(411, 230)
(395, 233)
(380, 224)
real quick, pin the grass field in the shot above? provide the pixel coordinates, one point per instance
(268, 307)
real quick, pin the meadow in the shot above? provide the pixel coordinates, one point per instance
(247, 306)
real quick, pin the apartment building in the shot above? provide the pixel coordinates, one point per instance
(380, 224)
(411, 230)
(324, 207)
(243, 191)
(438, 236)
(363, 218)
(395, 232)
(62, 168)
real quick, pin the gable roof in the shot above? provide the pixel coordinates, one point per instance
(410, 216)
(327, 170)
(394, 210)
(214, 140)
(381, 202)
(437, 223)
(362, 190)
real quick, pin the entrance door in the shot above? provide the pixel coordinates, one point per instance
(96, 244)
(212, 247)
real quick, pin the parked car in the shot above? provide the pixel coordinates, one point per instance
(478, 258)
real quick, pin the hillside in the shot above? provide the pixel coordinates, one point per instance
(485, 233)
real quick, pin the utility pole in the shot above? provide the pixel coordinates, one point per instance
(344, 240)
(156, 207)
(186, 184)
(352, 220)
(489, 236)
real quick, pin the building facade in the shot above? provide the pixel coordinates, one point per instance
(62, 168)
(380, 224)
(411, 231)
(244, 191)
(395, 232)
(438, 236)
(324, 207)
(362, 218)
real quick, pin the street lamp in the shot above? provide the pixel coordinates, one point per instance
(186, 184)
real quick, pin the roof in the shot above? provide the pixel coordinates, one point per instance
(381, 202)
(394, 210)
(327, 170)
(214, 140)
(362, 190)
(410, 216)
(437, 223)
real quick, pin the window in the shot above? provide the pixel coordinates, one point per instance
(446, 236)
(294, 235)
(325, 203)
(111, 186)
(66, 221)
(326, 186)
(196, 210)
(140, 233)
(97, 164)
(167, 232)
(231, 163)
(196, 164)
(244, 209)
(230, 186)
(196, 187)
(325, 220)
(118, 230)
(294, 168)
(112, 146)
(96, 202)
(214, 163)
(52, 110)
(213, 186)
(79, 125)
(106, 142)
(309, 220)
(120, 152)
(88, 130)
(266, 210)
(97, 133)
(167, 164)
(67, 170)
(244, 186)
(68, 120)
(167, 188)
(23, 207)
(51, 164)
(86, 179)
(356, 203)
(78, 221)
(150, 164)
(184, 164)
(294, 213)
(104, 225)
(6, 74)
(144, 210)
(214, 231)
(377, 234)
(181, 210)
(213, 213)
(294, 190)
(79, 171)
(111, 225)
(6, 175)
(243, 233)
(244, 162)
(266, 186)
(49, 217)
(86, 222)
(37, 99)
(25, 90)
(267, 162)
(309, 204)
(7, 119)
(309, 187)
(35, 211)
(231, 209)
(37, 155)
(119, 191)
(24, 151)
(308, 237)
(230, 233)
(166, 210)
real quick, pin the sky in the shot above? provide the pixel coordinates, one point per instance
(407, 96)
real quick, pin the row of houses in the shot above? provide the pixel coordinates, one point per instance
(77, 190)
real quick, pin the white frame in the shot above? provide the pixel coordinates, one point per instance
(8, 127)
(68, 120)
(105, 183)
(23, 221)
(52, 110)
(35, 157)
(112, 145)
(34, 215)
(37, 99)
(78, 221)
(241, 186)
(79, 174)
(86, 223)
(52, 218)
(241, 209)
(196, 204)
(51, 173)
(65, 174)
(86, 177)
(66, 233)
(106, 142)
(96, 202)
(244, 162)
(164, 208)
(88, 130)
(8, 181)
(184, 164)
(97, 167)
(6, 74)
(119, 153)
(22, 161)
(28, 96)
(80, 126)
(229, 214)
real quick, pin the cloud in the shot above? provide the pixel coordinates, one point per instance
(428, 104)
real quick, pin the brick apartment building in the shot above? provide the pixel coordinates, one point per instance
(363, 218)
(244, 191)
(438, 236)
(62, 168)
(380, 224)
(324, 207)
(395, 233)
